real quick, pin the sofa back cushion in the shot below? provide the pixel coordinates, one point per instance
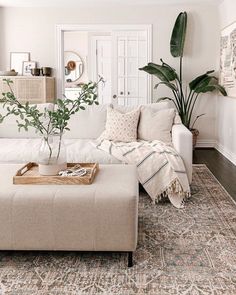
(9, 128)
(156, 125)
(88, 123)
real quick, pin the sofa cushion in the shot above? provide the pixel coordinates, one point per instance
(22, 150)
(9, 128)
(89, 123)
(121, 126)
(156, 125)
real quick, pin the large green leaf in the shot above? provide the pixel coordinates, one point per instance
(211, 88)
(168, 84)
(221, 89)
(162, 72)
(178, 35)
(201, 85)
(194, 83)
(164, 98)
(169, 72)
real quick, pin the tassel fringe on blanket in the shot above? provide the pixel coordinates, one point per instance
(161, 170)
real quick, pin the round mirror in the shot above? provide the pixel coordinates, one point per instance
(73, 66)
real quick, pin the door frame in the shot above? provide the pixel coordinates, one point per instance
(62, 28)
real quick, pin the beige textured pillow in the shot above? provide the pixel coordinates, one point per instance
(121, 126)
(156, 125)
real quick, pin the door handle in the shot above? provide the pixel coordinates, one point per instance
(121, 93)
(114, 96)
(128, 93)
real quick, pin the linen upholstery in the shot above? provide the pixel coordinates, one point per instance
(88, 123)
(182, 140)
(23, 150)
(156, 125)
(98, 217)
(16, 149)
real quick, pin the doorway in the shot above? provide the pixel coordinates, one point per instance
(114, 52)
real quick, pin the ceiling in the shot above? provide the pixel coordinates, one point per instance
(66, 3)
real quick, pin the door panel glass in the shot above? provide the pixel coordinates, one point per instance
(132, 49)
(132, 66)
(121, 47)
(121, 66)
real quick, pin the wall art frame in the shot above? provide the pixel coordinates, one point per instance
(17, 59)
(228, 59)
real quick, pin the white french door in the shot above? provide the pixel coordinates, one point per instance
(101, 66)
(116, 56)
(130, 52)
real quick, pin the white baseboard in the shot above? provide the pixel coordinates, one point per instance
(206, 143)
(210, 143)
(225, 152)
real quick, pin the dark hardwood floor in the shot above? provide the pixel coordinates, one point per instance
(221, 167)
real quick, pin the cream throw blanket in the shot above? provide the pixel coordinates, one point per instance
(161, 170)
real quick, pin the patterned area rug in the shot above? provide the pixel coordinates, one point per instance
(187, 251)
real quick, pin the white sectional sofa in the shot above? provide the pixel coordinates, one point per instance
(21, 147)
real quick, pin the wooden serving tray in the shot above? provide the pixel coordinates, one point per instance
(29, 174)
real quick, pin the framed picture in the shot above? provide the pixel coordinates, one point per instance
(16, 61)
(27, 66)
(228, 59)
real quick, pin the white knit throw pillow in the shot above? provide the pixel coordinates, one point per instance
(121, 126)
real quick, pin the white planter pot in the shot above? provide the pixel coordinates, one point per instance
(51, 169)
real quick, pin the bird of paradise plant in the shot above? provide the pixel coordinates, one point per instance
(185, 101)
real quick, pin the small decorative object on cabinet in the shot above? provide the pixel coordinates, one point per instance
(8, 73)
(31, 89)
(27, 66)
(17, 59)
(46, 71)
(35, 72)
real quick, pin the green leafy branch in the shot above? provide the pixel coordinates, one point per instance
(49, 121)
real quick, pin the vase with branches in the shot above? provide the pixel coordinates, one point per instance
(51, 124)
(184, 99)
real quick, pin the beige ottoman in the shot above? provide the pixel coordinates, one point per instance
(98, 217)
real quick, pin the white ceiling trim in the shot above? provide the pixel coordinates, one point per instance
(74, 3)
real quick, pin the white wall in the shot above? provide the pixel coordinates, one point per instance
(33, 30)
(226, 106)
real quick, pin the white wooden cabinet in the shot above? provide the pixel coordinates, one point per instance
(31, 89)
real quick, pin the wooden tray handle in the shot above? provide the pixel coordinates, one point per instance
(24, 169)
